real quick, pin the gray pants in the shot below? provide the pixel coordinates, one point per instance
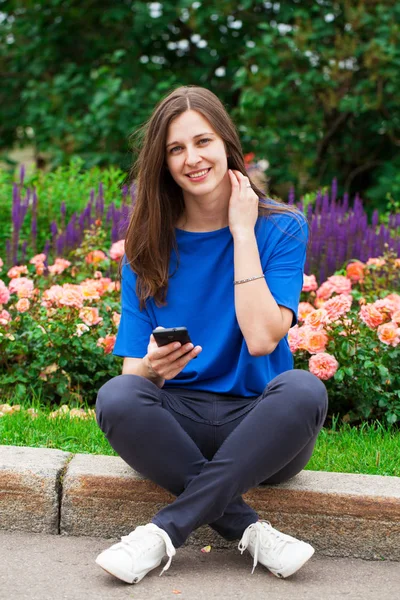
(209, 449)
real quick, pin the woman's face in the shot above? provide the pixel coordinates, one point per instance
(195, 154)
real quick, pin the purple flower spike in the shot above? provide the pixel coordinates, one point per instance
(334, 188)
(22, 175)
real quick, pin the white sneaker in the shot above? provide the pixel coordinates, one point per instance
(282, 554)
(137, 553)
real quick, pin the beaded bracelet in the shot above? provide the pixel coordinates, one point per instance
(246, 280)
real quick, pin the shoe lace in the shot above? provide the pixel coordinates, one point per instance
(272, 541)
(134, 541)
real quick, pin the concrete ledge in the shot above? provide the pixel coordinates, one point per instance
(43, 490)
(340, 514)
(30, 488)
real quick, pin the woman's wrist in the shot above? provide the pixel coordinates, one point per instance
(241, 234)
(151, 374)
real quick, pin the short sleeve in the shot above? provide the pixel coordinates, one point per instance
(285, 265)
(135, 326)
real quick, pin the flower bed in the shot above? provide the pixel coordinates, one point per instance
(58, 325)
(348, 335)
(53, 218)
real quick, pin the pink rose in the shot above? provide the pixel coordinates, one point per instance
(317, 341)
(379, 262)
(17, 271)
(37, 259)
(325, 291)
(4, 293)
(305, 308)
(5, 317)
(298, 337)
(338, 306)
(90, 289)
(23, 305)
(293, 338)
(52, 296)
(60, 264)
(22, 286)
(309, 283)
(371, 316)
(90, 316)
(389, 304)
(317, 319)
(340, 283)
(389, 333)
(72, 296)
(117, 250)
(323, 365)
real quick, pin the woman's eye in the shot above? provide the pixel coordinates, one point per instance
(204, 140)
(175, 148)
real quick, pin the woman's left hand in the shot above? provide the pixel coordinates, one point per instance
(243, 204)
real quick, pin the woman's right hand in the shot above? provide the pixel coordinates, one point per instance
(167, 361)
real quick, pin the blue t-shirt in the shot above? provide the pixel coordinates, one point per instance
(201, 297)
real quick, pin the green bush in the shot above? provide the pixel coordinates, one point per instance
(71, 184)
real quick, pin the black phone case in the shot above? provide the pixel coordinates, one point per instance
(172, 334)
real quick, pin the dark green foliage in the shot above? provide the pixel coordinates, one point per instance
(315, 87)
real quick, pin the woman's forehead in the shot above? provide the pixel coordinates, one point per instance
(188, 125)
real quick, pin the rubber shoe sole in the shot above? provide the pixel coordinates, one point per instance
(295, 566)
(114, 569)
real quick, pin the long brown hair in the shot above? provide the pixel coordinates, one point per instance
(159, 204)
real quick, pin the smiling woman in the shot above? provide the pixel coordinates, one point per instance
(198, 163)
(206, 252)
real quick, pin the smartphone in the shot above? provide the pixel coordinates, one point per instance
(172, 334)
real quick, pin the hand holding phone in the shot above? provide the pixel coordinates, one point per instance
(169, 351)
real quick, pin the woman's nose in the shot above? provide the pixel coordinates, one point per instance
(192, 156)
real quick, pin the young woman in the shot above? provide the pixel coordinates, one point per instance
(208, 421)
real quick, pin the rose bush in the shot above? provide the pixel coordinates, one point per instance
(348, 335)
(58, 324)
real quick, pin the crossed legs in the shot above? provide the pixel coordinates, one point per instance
(269, 444)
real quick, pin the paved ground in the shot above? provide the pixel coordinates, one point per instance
(46, 567)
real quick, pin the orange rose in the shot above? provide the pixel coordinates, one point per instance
(317, 341)
(371, 316)
(389, 333)
(95, 257)
(317, 319)
(23, 305)
(355, 271)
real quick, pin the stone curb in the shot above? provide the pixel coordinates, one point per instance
(30, 488)
(340, 514)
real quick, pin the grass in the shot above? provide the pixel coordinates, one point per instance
(370, 449)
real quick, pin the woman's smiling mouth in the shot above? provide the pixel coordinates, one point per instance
(199, 175)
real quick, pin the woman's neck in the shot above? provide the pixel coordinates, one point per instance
(205, 213)
(202, 225)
